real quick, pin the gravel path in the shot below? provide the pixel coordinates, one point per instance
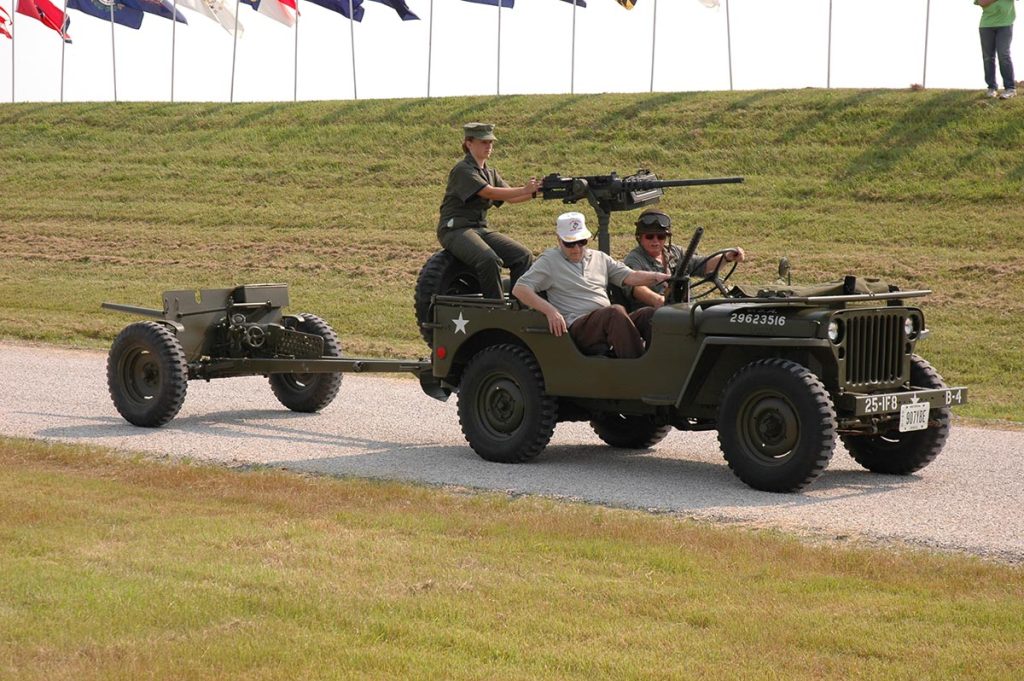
(970, 499)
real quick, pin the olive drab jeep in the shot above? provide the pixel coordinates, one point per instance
(780, 372)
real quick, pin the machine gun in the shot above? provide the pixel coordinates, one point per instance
(608, 193)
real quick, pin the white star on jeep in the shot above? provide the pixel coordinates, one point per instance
(460, 324)
(915, 399)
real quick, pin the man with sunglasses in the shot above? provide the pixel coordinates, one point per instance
(655, 252)
(575, 280)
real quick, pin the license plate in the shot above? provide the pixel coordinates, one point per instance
(914, 416)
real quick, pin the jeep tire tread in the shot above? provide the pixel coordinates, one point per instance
(442, 274)
(904, 453)
(503, 410)
(776, 425)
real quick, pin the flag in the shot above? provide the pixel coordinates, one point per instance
(217, 11)
(4, 31)
(162, 8)
(400, 7)
(628, 4)
(48, 14)
(274, 9)
(494, 3)
(124, 15)
(710, 4)
(341, 7)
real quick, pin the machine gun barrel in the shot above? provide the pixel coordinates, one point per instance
(642, 184)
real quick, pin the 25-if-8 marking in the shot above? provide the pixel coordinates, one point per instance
(755, 318)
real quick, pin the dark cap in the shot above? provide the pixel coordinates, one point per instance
(654, 222)
(480, 131)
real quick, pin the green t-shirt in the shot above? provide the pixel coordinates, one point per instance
(999, 13)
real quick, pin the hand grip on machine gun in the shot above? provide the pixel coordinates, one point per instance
(681, 275)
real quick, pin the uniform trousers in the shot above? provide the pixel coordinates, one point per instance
(627, 334)
(487, 252)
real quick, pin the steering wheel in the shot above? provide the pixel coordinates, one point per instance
(715, 276)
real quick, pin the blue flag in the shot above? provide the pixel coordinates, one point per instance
(341, 7)
(400, 7)
(163, 8)
(124, 15)
(579, 3)
(494, 3)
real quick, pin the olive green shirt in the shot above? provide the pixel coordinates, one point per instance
(462, 205)
(638, 260)
(1000, 13)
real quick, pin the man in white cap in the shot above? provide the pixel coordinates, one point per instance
(575, 280)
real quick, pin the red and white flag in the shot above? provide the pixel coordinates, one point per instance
(46, 12)
(4, 16)
(278, 11)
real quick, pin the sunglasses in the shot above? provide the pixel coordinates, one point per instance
(652, 237)
(574, 244)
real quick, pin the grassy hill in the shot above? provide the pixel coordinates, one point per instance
(339, 199)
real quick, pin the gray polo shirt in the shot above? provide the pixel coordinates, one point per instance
(575, 289)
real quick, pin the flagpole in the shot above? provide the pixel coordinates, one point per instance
(113, 51)
(927, 21)
(728, 40)
(497, 88)
(174, 33)
(654, 35)
(828, 72)
(14, 10)
(430, 44)
(234, 53)
(62, 45)
(295, 73)
(572, 59)
(352, 40)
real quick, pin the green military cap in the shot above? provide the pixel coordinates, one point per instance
(480, 131)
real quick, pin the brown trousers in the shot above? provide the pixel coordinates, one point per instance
(627, 334)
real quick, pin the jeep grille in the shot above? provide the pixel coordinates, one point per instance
(874, 348)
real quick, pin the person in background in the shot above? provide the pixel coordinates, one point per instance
(997, 17)
(655, 252)
(473, 188)
(575, 280)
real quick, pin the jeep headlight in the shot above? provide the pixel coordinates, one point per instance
(910, 328)
(835, 330)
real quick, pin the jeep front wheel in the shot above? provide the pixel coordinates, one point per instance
(629, 431)
(503, 410)
(776, 425)
(899, 453)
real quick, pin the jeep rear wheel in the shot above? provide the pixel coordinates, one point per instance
(503, 410)
(629, 431)
(776, 425)
(147, 375)
(899, 453)
(445, 275)
(310, 392)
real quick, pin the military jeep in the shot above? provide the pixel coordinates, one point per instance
(780, 373)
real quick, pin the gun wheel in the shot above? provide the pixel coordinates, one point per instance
(147, 374)
(776, 425)
(629, 431)
(504, 412)
(310, 392)
(904, 453)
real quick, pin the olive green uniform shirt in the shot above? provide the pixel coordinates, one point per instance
(462, 206)
(638, 260)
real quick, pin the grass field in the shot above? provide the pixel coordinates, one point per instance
(124, 569)
(339, 200)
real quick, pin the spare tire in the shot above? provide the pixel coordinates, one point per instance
(445, 275)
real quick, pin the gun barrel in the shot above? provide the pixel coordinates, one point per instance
(656, 184)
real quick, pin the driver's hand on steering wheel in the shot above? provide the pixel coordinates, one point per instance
(736, 254)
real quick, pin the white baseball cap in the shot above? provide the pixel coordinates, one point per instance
(572, 227)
